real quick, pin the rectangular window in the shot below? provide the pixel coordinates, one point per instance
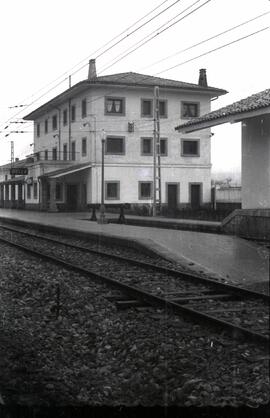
(163, 147)
(112, 190)
(189, 110)
(38, 130)
(54, 122)
(54, 154)
(190, 148)
(29, 187)
(115, 145)
(163, 111)
(65, 152)
(65, 117)
(146, 146)
(114, 106)
(146, 107)
(145, 189)
(35, 190)
(58, 191)
(84, 108)
(6, 192)
(37, 156)
(73, 113)
(73, 151)
(84, 147)
(46, 126)
(46, 154)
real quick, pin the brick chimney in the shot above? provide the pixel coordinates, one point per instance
(92, 73)
(202, 78)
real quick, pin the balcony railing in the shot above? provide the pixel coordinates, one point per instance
(53, 156)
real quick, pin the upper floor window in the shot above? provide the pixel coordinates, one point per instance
(114, 106)
(65, 152)
(46, 126)
(38, 130)
(84, 108)
(73, 150)
(73, 113)
(146, 146)
(54, 122)
(189, 110)
(163, 108)
(163, 147)
(65, 117)
(190, 148)
(115, 145)
(54, 153)
(84, 147)
(146, 107)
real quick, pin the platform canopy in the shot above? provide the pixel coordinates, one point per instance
(256, 105)
(66, 171)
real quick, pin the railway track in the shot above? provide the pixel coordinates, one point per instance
(241, 312)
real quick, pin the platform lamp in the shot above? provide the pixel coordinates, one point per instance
(102, 219)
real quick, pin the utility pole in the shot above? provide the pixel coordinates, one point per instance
(156, 156)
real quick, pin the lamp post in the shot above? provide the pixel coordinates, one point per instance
(102, 219)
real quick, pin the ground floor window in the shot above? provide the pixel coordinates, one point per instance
(65, 152)
(145, 189)
(112, 190)
(35, 190)
(59, 191)
(28, 191)
(7, 192)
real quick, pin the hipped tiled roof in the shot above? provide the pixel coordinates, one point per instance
(123, 79)
(251, 103)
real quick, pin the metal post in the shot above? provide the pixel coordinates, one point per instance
(102, 218)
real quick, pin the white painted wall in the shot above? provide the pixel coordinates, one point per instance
(256, 163)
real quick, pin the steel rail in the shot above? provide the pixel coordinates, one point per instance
(174, 272)
(234, 330)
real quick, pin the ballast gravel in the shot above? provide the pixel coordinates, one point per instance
(63, 342)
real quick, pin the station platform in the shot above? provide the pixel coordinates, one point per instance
(230, 258)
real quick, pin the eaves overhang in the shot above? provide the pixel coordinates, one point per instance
(206, 121)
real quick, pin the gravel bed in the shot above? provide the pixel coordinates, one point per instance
(95, 355)
(154, 282)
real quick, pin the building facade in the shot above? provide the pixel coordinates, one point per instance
(64, 172)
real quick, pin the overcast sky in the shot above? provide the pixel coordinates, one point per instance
(42, 40)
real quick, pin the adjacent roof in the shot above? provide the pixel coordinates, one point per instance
(256, 104)
(123, 79)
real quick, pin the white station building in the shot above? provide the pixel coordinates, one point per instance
(64, 172)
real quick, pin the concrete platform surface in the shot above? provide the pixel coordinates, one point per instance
(229, 257)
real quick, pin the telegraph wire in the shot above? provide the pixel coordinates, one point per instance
(213, 50)
(206, 40)
(144, 42)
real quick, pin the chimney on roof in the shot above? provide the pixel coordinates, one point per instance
(92, 73)
(202, 78)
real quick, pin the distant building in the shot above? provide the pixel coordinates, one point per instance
(64, 171)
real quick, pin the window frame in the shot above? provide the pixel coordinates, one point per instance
(143, 115)
(83, 108)
(73, 150)
(73, 113)
(148, 138)
(166, 109)
(46, 154)
(140, 197)
(123, 99)
(35, 190)
(54, 122)
(117, 182)
(188, 102)
(46, 124)
(38, 130)
(54, 153)
(58, 191)
(113, 137)
(84, 141)
(65, 117)
(29, 191)
(65, 151)
(166, 147)
(197, 140)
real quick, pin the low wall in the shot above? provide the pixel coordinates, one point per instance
(248, 223)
